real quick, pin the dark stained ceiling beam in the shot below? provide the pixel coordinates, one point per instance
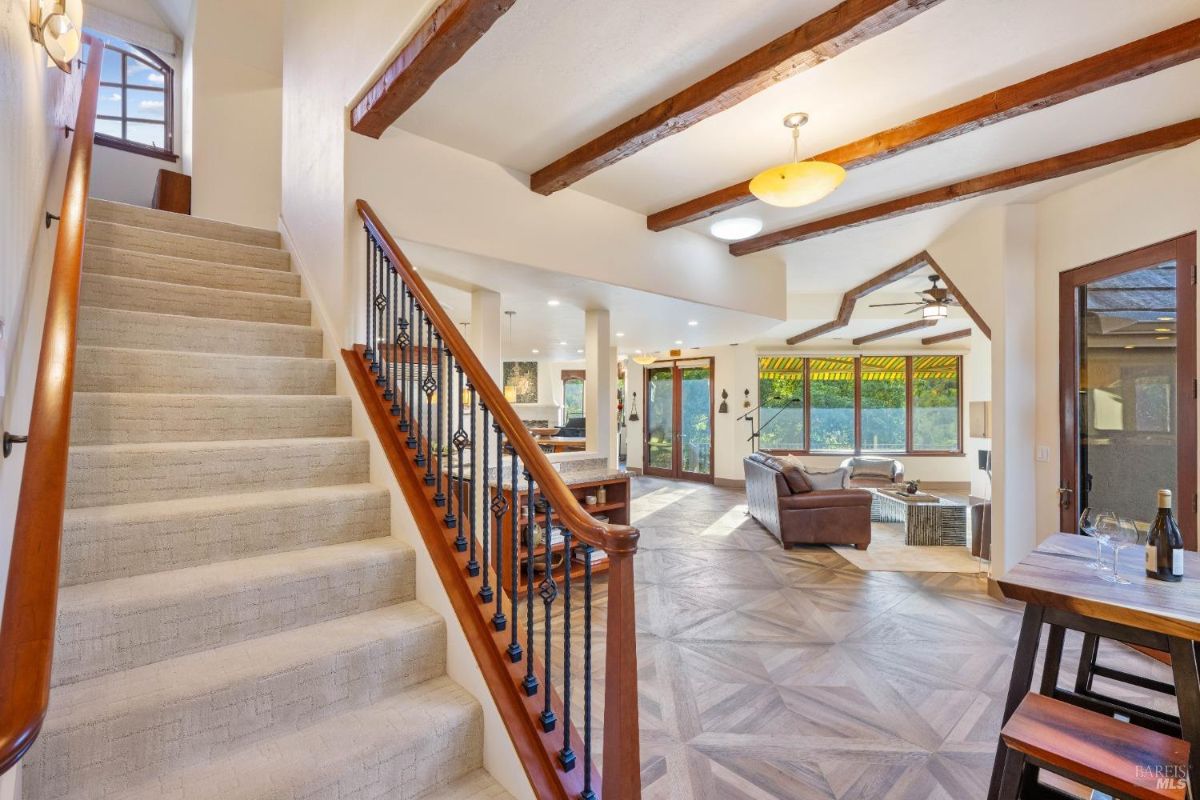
(851, 297)
(1166, 138)
(896, 331)
(1128, 62)
(947, 337)
(842, 27)
(443, 38)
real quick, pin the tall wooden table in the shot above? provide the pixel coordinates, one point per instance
(1061, 591)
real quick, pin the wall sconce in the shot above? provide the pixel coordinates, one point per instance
(57, 25)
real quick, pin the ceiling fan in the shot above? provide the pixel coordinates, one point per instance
(934, 304)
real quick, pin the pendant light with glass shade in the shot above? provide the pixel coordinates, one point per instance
(800, 182)
(644, 359)
(57, 25)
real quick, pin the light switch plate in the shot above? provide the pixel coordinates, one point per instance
(1043, 453)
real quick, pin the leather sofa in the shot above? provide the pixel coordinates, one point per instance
(873, 471)
(781, 497)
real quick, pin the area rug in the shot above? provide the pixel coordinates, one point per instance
(889, 553)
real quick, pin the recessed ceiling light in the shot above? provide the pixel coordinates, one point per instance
(693, 323)
(535, 351)
(562, 344)
(679, 341)
(735, 228)
(578, 351)
(620, 334)
(552, 302)
(638, 352)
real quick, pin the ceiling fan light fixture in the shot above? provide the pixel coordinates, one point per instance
(735, 228)
(799, 183)
(935, 311)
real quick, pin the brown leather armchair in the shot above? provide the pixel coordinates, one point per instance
(780, 497)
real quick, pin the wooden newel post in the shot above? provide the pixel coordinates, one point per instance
(621, 773)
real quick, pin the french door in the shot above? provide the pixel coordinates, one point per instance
(1127, 376)
(679, 420)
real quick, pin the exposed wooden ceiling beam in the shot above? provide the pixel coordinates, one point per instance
(851, 297)
(1130, 61)
(1171, 136)
(947, 337)
(896, 331)
(443, 38)
(837, 30)
(963, 302)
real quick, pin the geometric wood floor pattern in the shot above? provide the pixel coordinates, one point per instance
(766, 673)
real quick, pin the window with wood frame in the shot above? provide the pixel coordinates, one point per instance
(135, 109)
(573, 385)
(899, 405)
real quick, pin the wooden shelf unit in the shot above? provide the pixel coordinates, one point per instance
(615, 507)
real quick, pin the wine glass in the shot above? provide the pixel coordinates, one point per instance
(1123, 535)
(1087, 527)
(1108, 525)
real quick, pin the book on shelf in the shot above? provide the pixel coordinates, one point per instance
(596, 556)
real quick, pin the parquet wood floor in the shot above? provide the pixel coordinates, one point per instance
(767, 674)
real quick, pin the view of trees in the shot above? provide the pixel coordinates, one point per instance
(935, 394)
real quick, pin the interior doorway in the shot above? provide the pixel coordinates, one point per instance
(678, 438)
(1127, 379)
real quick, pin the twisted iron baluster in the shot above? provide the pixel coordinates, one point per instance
(459, 442)
(403, 342)
(423, 379)
(368, 352)
(499, 505)
(548, 591)
(434, 382)
(393, 344)
(587, 793)
(472, 563)
(514, 647)
(531, 682)
(485, 591)
(380, 317)
(412, 408)
(566, 756)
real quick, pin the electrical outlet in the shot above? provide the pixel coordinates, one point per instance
(1043, 453)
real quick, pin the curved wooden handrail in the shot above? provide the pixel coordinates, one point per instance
(31, 599)
(621, 539)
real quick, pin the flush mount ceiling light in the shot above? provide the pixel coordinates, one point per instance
(551, 302)
(735, 228)
(800, 182)
(58, 27)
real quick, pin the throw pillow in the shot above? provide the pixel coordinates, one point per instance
(826, 481)
(793, 472)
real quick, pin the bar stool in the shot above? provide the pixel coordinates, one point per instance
(1122, 759)
(1087, 696)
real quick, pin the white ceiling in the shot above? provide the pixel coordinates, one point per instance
(550, 75)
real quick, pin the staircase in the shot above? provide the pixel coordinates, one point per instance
(235, 620)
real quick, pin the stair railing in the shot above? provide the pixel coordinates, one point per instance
(443, 422)
(31, 596)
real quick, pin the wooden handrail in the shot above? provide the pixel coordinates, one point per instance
(31, 597)
(621, 776)
(608, 537)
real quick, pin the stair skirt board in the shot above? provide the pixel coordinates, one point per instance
(235, 619)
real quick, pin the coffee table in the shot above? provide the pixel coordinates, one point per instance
(928, 519)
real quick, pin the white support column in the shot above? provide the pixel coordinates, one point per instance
(601, 383)
(487, 331)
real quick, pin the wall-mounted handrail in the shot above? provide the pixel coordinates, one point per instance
(31, 597)
(406, 371)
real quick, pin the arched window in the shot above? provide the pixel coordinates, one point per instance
(136, 103)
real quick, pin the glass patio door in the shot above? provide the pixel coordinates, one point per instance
(678, 427)
(1127, 374)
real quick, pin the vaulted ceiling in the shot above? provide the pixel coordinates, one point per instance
(550, 77)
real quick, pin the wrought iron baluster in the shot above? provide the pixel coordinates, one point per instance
(548, 591)
(472, 562)
(454, 413)
(587, 793)
(368, 351)
(412, 408)
(566, 756)
(393, 316)
(405, 350)
(514, 646)
(484, 491)
(531, 682)
(422, 388)
(433, 383)
(499, 505)
(380, 317)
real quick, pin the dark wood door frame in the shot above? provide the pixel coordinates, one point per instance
(1181, 250)
(676, 470)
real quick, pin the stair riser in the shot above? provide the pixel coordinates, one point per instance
(138, 216)
(140, 474)
(127, 237)
(104, 418)
(100, 632)
(107, 327)
(103, 543)
(103, 369)
(132, 294)
(166, 269)
(150, 738)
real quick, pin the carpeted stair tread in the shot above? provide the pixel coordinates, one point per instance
(137, 294)
(101, 260)
(118, 369)
(148, 330)
(157, 219)
(149, 240)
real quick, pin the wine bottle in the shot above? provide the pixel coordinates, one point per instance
(1164, 547)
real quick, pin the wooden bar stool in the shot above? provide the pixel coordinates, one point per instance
(1122, 759)
(1088, 697)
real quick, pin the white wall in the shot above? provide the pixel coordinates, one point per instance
(234, 54)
